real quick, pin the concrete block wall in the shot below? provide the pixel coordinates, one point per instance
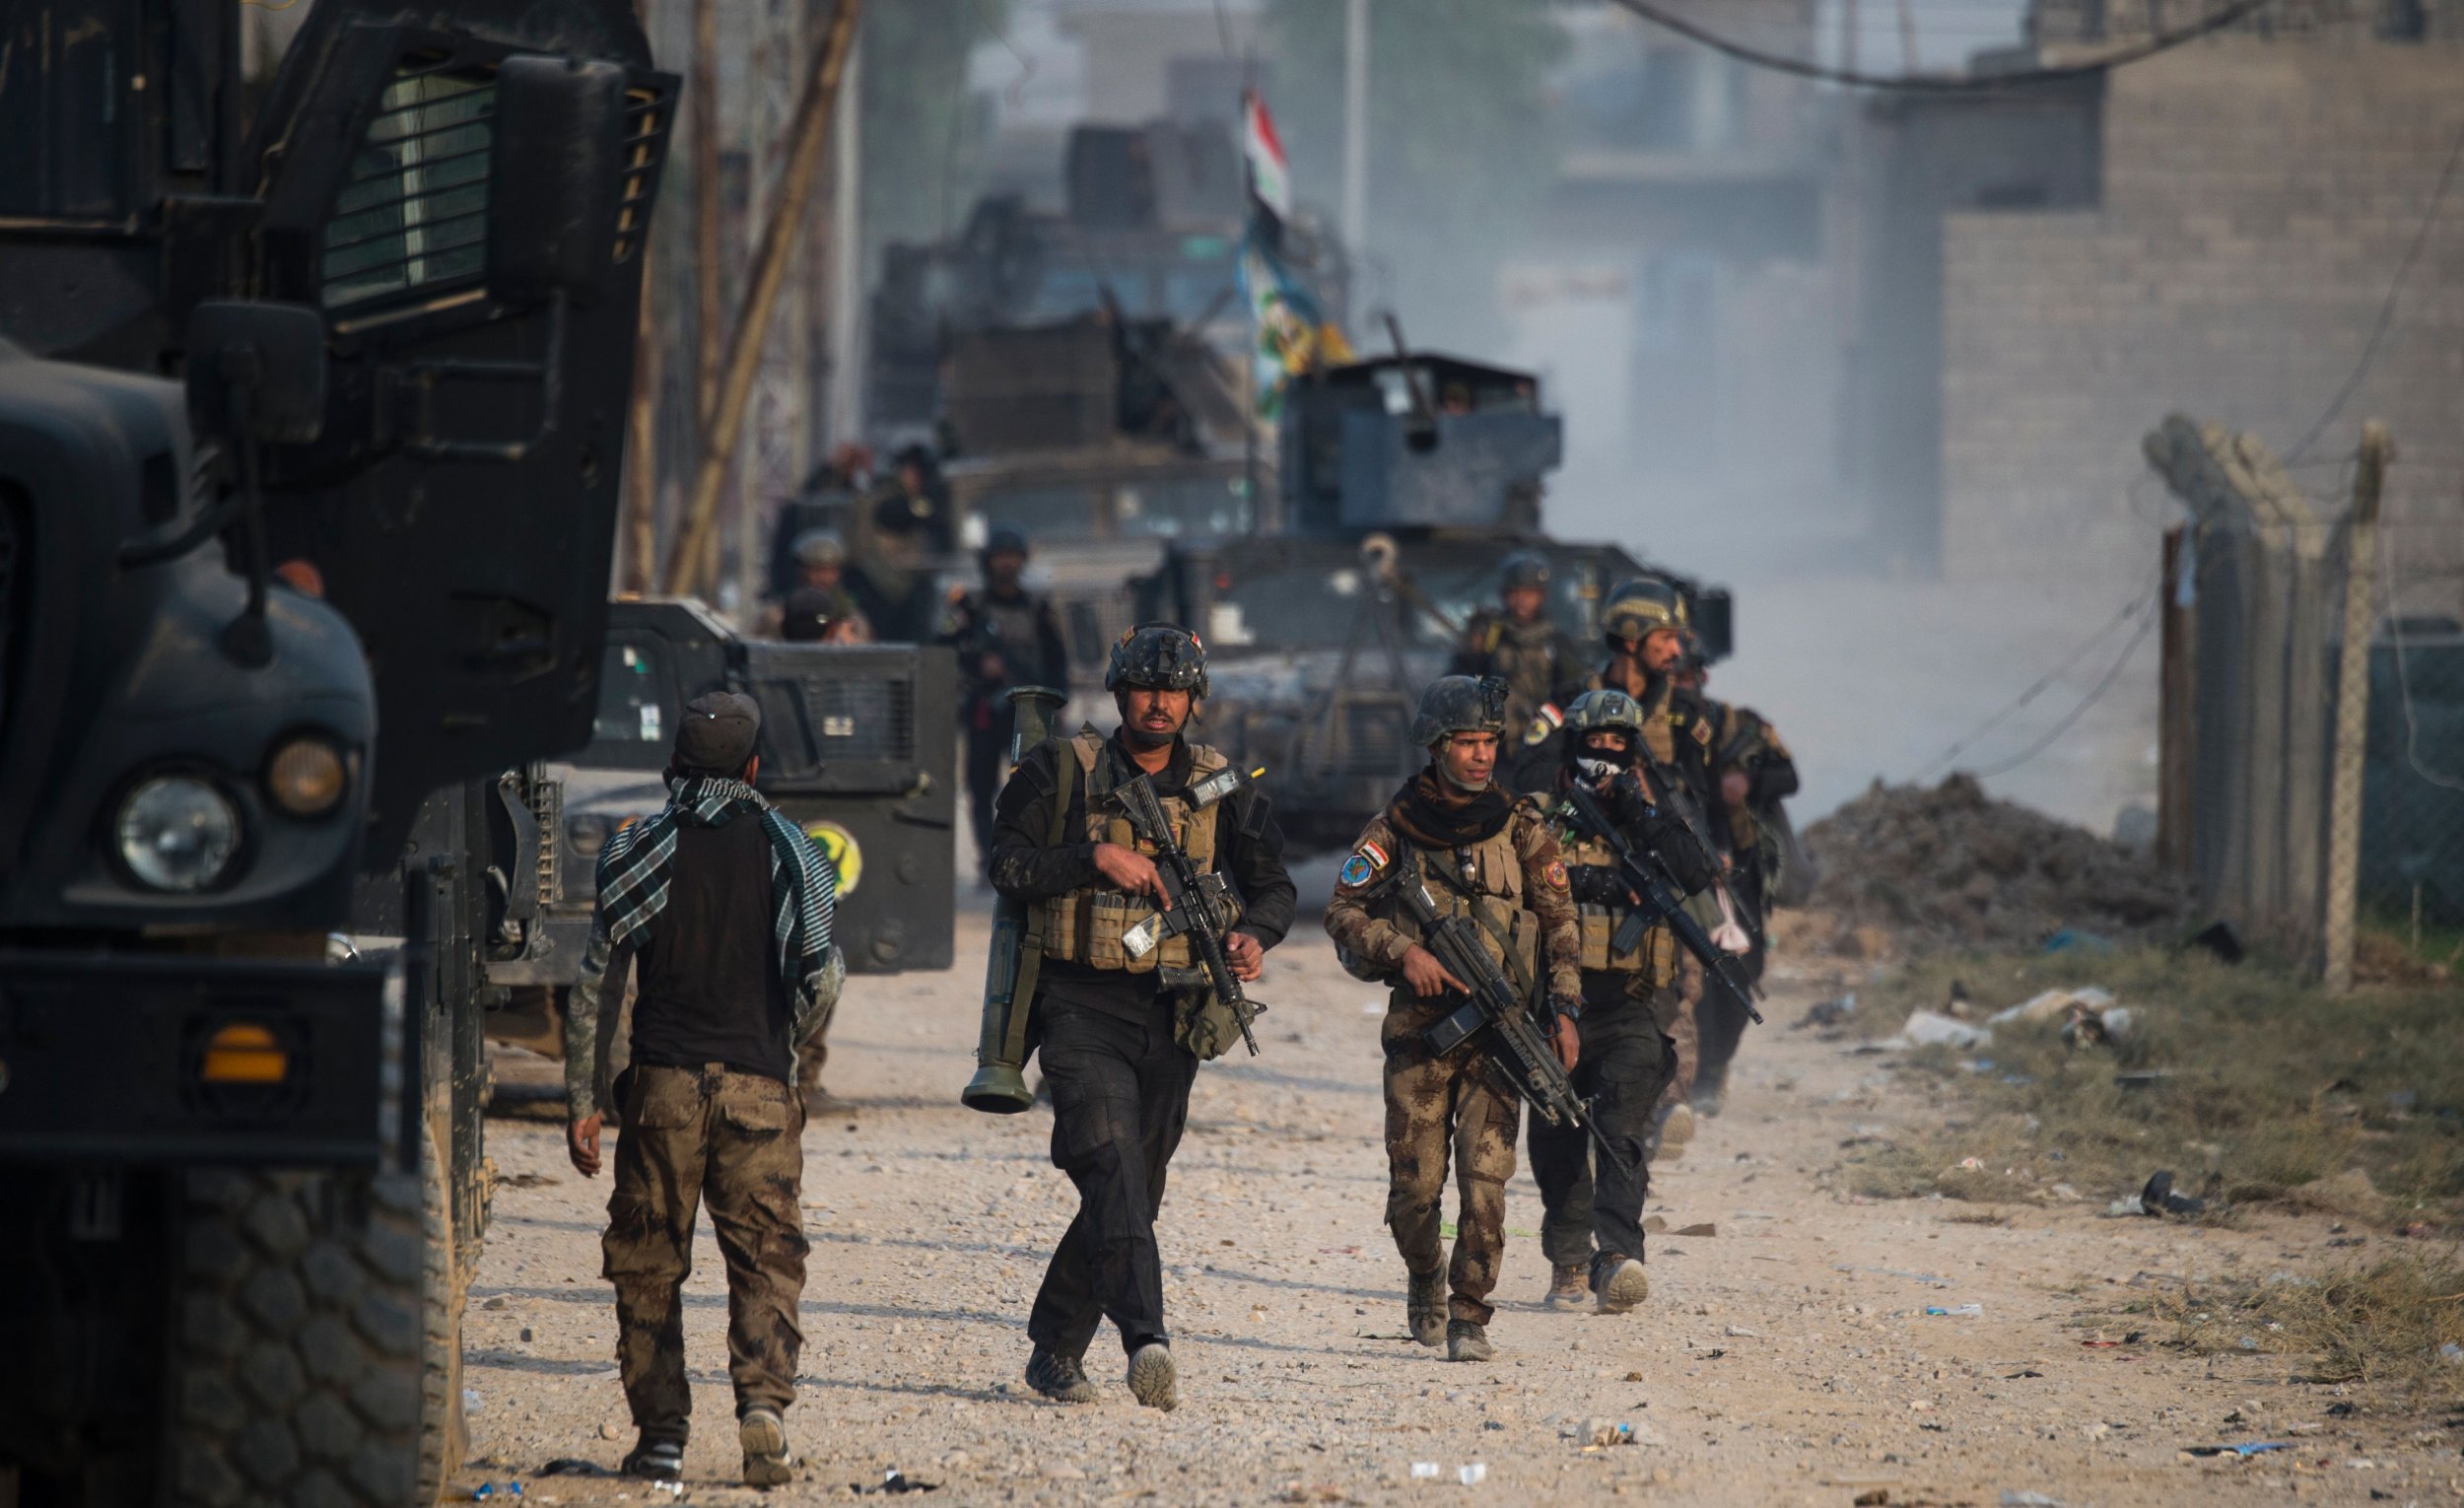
(2258, 198)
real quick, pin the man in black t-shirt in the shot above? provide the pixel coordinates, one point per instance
(721, 907)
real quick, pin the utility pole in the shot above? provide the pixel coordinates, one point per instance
(846, 329)
(709, 268)
(725, 424)
(1355, 228)
(2353, 704)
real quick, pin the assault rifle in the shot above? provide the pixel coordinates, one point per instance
(1496, 1004)
(1647, 874)
(1197, 906)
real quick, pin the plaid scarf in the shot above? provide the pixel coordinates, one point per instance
(635, 870)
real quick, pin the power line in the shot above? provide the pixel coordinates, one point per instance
(1959, 746)
(2387, 309)
(2111, 674)
(2161, 42)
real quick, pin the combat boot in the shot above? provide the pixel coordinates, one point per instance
(655, 1460)
(1677, 1128)
(1426, 1305)
(1567, 1289)
(1063, 1379)
(1467, 1341)
(1152, 1375)
(1620, 1282)
(764, 1436)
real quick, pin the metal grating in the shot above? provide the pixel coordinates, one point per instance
(413, 216)
(861, 719)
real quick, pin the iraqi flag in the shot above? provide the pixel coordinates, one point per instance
(1269, 176)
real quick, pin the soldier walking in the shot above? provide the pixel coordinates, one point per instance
(721, 907)
(1120, 1036)
(1592, 1230)
(1542, 665)
(1487, 856)
(1006, 636)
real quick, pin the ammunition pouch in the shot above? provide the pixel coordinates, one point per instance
(1653, 957)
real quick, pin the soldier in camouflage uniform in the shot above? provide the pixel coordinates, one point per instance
(1753, 773)
(724, 907)
(1541, 664)
(1593, 1231)
(1488, 858)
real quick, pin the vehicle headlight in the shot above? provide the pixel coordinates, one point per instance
(178, 832)
(305, 777)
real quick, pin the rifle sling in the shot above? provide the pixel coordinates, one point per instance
(1505, 944)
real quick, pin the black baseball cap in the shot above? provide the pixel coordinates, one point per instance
(719, 731)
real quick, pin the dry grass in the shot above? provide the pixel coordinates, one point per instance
(2267, 1091)
(2382, 1325)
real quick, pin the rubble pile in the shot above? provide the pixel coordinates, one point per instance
(1950, 869)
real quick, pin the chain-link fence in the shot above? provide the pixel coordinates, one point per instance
(2303, 811)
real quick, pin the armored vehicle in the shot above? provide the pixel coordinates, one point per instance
(854, 747)
(1405, 484)
(309, 431)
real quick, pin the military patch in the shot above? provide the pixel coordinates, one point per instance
(1544, 721)
(1557, 873)
(1375, 855)
(1356, 871)
(1702, 732)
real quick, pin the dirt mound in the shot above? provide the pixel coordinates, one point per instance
(1950, 868)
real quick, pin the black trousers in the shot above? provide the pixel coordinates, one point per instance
(1626, 1064)
(987, 764)
(1121, 1098)
(1720, 1021)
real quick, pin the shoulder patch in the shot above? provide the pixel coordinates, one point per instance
(1376, 856)
(1557, 874)
(1357, 870)
(1702, 732)
(1547, 720)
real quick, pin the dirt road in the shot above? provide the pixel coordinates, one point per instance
(1788, 1358)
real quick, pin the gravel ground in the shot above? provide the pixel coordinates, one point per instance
(1786, 1358)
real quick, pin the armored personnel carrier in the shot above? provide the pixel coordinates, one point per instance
(1406, 482)
(311, 407)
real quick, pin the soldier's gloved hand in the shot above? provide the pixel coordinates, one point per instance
(1564, 1034)
(1131, 871)
(1427, 977)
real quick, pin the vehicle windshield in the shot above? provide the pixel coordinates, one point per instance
(1317, 604)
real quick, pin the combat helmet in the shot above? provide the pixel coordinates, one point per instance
(1005, 541)
(1161, 656)
(1637, 608)
(1606, 710)
(1523, 567)
(1460, 703)
(815, 548)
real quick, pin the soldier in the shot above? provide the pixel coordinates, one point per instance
(1592, 1230)
(1120, 1042)
(821, 610)
(725, 907)
(1488, 858)
(1754, 772)
(1541, 664)
(1006, 636)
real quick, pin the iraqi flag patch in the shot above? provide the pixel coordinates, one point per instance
(1362, 867)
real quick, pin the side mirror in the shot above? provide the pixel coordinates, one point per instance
(260, 367)
(560, 130)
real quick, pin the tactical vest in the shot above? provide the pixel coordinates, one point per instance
(1653, 957)
(1524, 654)
(1014, 622)
(1086, 925)
(1483, 881)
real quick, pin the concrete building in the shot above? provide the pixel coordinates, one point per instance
(2044, 274)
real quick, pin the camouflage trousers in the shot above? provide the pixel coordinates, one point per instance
(732, 1140)
(1435, 1105)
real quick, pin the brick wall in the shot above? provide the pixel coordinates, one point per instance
(2257, 199)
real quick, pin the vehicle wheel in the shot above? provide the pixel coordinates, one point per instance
(319, 1359)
